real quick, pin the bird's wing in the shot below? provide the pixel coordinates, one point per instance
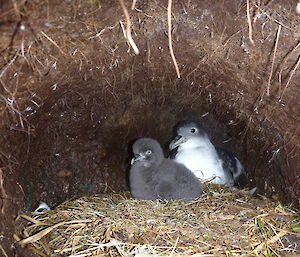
(231, 164)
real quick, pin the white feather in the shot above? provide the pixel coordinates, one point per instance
(43, 207)
(298, 8)
(200, 156)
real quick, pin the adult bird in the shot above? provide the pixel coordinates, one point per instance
(193, 148)
(152, 176)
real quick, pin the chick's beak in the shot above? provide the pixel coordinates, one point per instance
(178, 140)
(137, 157)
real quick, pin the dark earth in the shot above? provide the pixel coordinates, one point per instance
(74, 96)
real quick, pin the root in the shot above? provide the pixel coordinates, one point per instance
(3, 194)
(249, 22)
(53, 42)
(128, 29)
(292, 74)
(170, 37)
(273, 60)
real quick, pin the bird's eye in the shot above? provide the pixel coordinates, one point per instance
(193, 130)
(148, 152)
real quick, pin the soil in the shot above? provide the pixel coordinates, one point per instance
(74, 96)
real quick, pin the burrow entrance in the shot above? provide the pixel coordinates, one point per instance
(74, 96)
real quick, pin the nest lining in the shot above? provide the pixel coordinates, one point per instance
(220, 223)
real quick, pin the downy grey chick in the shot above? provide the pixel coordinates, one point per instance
(154, 177)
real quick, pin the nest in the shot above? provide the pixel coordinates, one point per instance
(73, 90)
(219, 223)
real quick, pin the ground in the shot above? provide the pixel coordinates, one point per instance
(219, 223)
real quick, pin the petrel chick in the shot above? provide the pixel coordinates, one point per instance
(193, 148)
(154, 177)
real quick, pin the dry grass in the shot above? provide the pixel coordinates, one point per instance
(220, 223)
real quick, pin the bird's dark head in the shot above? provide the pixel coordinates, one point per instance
(188, 131)
(147, 152)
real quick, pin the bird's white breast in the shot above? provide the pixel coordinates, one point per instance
(202, 159)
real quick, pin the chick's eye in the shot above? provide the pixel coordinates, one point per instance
(193, 130)
(148, 152)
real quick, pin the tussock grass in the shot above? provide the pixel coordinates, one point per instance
(220, 223)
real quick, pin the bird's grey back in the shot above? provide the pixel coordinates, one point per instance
(231, 164)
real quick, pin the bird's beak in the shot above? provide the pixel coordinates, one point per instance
(137, 157)
(178, 140)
